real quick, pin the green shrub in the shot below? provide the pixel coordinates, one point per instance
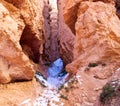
(107, 93)
(64, 97)
(92, 64)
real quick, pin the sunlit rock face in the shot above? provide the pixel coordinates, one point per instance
(31, 40)
(22, 91)
(97, 39)
(71, 10)
(32, 36)
(14, 64)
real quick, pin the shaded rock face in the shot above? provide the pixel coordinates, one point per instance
(57, 42)
(51, 49)
(117, 5)
(66, 37)
(70, 13)
(97, 39)
(14, 64)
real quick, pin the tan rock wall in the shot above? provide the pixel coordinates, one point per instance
(71, 10)
(15, 65)
(97, 37)
(32, 37)
(21, 38)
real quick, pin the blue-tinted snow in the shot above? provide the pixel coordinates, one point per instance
(56, 75)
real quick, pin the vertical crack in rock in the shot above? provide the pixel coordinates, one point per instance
(51, 49)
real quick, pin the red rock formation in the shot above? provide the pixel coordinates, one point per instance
(88, 33)
(97, 38)
(14, 64)
(32, 36)
(71, 10)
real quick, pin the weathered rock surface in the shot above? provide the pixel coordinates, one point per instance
(20, 93)
(32, 36)
(110, 94)
(88, 33)
(71, 9)
(84, 90)
(14, 63)
(97, 39)
(70, 13)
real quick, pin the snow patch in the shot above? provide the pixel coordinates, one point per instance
(49, 97)
(26, 102)
(56, 75)
(56, 78)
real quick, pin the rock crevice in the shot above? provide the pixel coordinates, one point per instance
(51, 48)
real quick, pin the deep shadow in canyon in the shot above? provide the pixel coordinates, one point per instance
(30, 44)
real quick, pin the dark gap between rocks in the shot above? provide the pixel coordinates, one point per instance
(30, 44)
(51, 47)
(55, 66)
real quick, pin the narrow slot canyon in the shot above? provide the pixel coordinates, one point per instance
(51, 48)
(59, 52)
(51, 61)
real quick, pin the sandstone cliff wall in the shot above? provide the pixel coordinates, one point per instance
(20, 39)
